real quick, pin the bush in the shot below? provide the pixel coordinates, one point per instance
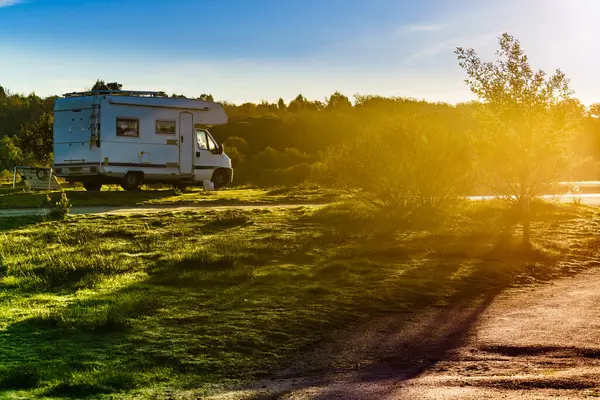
(58, 209)
(407, 166)
(239, 143)
(6, 176)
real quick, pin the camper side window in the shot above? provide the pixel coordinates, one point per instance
(128, 127)
(165, 127)
(201, 139)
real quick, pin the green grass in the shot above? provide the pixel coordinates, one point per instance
(141, 306)
(115, 196)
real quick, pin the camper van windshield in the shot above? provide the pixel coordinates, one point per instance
(212, 145)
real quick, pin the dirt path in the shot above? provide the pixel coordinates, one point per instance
(528, 343)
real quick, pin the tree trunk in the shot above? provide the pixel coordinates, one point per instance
(525, 219)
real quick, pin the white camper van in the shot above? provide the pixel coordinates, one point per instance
(131, 137)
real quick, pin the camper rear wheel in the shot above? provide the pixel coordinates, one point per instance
(132, 180)
(92, 186)
(220, 178)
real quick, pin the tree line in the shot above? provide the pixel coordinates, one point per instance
(282, 143)
(526, 129)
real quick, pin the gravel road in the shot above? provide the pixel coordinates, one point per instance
(526, 343)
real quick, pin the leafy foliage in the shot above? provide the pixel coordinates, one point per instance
(526, 118)
(101, 85)
(405, 165)
(58, 209)
(312, 128)
(36, 139)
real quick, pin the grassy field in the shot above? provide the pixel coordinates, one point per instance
(182, 304)
(115, 196)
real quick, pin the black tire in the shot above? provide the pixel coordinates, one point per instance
(180, 186)
(132, 180)
(220, 178)
(92, 186)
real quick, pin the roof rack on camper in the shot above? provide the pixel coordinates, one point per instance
(133, 93)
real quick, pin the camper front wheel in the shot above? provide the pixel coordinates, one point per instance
(132, 180)
(220, 178)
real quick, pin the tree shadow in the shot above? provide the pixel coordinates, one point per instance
(435, 340)
(399, 349)
(9, 223)
(183, 339)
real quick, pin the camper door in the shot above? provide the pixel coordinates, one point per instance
(186, 143)
(207, 157)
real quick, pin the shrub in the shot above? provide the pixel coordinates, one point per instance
(407, 166)
(6, 176)
(239, 143)
(58, 209)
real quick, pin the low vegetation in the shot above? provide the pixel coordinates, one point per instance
(184, 304)
(59, 207)
(113, 196)
(408, 166)
(188, 303)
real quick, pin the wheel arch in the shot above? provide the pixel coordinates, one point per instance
(228, 171)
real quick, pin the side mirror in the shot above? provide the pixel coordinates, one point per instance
(221, 149)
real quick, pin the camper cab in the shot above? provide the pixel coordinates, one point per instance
(130, 137)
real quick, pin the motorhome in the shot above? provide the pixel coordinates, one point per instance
(134, 137)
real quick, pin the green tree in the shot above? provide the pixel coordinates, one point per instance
(405, 165)
(594, 110)
(314, 105)
(206, 97)
(239, 143)
(523, 143)
(35, 140)
(338, 101)
(101, 85)
(281, 105)
(10, 150)
(299, 103)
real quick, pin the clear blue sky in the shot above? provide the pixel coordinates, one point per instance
(244, 50)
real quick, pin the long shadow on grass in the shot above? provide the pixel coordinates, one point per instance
(395, 354)
(433, 337)
(83, 198)
(11, 223)
(218, 318)
(80, 347)
(437, 335)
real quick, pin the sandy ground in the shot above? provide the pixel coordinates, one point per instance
(528, 343)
